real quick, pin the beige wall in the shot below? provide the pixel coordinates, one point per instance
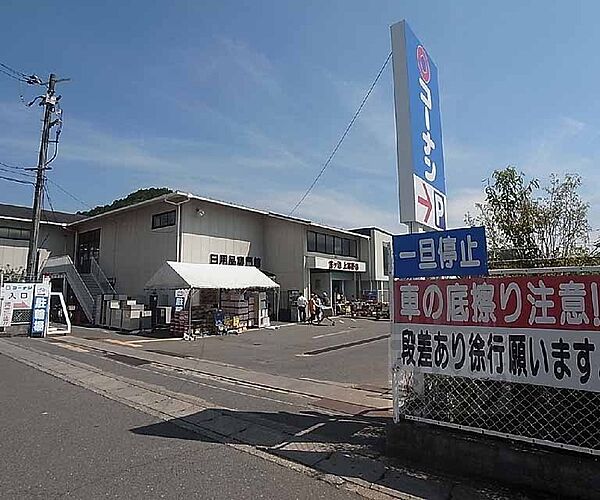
(130, 250)
(285, 255)
(209, 229)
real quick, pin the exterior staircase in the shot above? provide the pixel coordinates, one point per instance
(86, 287)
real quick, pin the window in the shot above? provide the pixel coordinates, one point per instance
(345, 247)
(338, 246)
(312, 241)
(386, 260)
(14, 233)
(321, 244)
(329, 245)
(353, 252)
(165, 219)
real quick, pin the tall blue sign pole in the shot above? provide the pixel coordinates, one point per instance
(421, 173)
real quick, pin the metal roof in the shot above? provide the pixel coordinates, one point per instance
(16, 212)
(191, 196)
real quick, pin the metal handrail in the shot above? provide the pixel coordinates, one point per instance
(101, 278)
(64, 264)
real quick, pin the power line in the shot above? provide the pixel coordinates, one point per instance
(339, 143)
(12, 179)
(11, 166)
(12, 70)
(83, 203)
(10, 75)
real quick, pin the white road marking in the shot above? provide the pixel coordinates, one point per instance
(144, 341)
(121, 342)
(331, 334)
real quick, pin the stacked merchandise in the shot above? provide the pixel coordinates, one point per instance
(203, 304)
(235, 304)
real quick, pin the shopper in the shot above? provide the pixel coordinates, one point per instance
(302, 303)
(312, 308)
(318, 309)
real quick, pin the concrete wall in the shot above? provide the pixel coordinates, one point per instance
(55, 239)
(214, 229)
(285, 250)
(130, 250)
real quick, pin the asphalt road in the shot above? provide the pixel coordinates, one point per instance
(353, 351)
(59, 440)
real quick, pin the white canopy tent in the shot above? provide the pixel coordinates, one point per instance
(178, 275)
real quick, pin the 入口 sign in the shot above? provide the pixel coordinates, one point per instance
(421, 174)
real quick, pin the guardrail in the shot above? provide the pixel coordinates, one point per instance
(101, 278)
(64, 265)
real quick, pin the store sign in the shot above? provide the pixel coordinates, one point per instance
(458, 252)
(20, 294)
(40, 312)
(421, 174)
(181, 296)
(542, 330)
(6, 312)
(340, 265)
(234, 260)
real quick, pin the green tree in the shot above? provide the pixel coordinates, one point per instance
(528, 223)
(131, 199)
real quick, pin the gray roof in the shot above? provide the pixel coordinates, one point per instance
(24, 213)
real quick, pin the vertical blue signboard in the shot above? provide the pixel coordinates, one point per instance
(421, 174)
(40, 310)
(458, 252)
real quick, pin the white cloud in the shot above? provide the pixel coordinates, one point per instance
(460, 203)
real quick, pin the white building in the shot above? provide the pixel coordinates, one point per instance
(126, 246)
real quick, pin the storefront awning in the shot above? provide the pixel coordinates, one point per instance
(176, 275)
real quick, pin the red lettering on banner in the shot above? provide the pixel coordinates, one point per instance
(550, 302)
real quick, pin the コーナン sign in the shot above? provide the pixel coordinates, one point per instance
(542, 330)
(421, 175)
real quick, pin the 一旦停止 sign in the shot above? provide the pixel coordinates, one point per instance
(458, 252)
(542, 330)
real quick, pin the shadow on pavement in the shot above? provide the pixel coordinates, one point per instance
(340, 445)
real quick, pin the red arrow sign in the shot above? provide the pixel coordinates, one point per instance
(426, 202)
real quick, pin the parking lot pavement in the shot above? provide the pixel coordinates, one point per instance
(353, 351)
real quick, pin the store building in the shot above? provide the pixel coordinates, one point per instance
(120, 250)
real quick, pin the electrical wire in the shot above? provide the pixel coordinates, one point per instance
(10, 75)
(47, 195)
(83, 203)
(339, 143)
(11, 166)
(12, 179)
(12, 70)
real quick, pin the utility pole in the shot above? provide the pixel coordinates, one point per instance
(48, 101)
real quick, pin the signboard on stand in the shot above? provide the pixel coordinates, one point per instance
(40, 310)
(421, 174)
(458, 252)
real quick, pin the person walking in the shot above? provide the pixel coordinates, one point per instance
(311, 308)
(302, 303)
(318, 309)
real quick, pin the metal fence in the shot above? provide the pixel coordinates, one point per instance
(551, 416)
(21, 316)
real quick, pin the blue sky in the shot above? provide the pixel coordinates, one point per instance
(244, 100)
